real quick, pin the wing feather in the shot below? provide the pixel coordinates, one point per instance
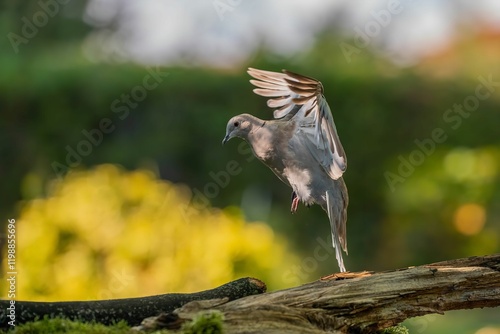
(270, 92)
(301, 98)
(278, 102)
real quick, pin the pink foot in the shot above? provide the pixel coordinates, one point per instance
(295, 204)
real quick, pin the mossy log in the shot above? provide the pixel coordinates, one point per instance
(363, 302)
(354, 302)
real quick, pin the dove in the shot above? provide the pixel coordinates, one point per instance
(300, 145)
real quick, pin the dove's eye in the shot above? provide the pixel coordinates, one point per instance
(236, 124)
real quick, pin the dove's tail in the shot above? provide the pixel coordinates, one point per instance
(337, 213)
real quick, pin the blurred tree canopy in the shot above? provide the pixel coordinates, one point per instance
(107, 233)
(422, 175)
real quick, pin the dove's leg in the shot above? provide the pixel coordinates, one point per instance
(295, 202)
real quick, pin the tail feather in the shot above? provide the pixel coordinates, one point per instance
(337, 215)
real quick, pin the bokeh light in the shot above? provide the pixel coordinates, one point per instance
(470, 165)
(469, 219)
(107, 233)
(488, 330)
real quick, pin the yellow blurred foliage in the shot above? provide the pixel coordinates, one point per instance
(107, 233)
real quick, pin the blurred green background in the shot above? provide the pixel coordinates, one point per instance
(112, 164)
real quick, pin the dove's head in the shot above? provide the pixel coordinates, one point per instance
(239, 126)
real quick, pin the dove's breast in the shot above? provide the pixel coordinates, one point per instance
(277, 147)
(270, 145)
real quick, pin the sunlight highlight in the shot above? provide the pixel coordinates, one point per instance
(470, 165)
(470, 218)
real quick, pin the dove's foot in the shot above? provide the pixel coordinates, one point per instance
(295, 202)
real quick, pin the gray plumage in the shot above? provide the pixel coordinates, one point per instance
(300, 145)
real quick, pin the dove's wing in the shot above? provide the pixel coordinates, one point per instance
(301, 97)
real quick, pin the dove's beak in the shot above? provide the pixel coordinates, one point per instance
(226, 138)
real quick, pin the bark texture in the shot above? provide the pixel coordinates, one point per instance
(354, 302)
(362, 302)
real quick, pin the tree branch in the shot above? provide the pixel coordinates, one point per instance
(355, 302)
(132, 310)
(349, 302)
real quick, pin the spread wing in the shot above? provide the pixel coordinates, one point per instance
(301, 97)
